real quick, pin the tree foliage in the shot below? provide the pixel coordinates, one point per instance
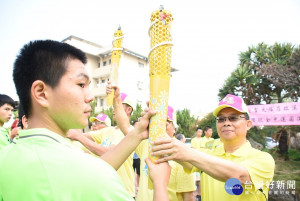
(255, 79)
(136, 113)
(93, 106)
(186, 122)
(286, 74)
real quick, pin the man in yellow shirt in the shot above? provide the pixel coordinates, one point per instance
(233, 171)
(207, 138)
(195, 143)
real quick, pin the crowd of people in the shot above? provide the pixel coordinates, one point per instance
(48, 157)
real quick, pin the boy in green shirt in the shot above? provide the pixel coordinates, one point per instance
(53, 87)
(7, 105)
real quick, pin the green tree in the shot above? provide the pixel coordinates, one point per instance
(136, 113)
(93, 106)
(285, 73)
(185, 122)
(248, 79)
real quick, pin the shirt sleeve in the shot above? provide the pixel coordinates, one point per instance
(140, 148)
(261, 169)
(97, 135)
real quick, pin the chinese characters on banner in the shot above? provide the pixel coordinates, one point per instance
(278, 114)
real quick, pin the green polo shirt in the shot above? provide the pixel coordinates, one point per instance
(43, 165)
(4, 137)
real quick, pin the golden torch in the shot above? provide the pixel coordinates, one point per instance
(115, 61)
(160, 69)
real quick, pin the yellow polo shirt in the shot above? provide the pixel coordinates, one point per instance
(112, 136)
(195, 143)
(179, 181)
(260, 166)
(216, 143)
(204, 141)
(144, 193)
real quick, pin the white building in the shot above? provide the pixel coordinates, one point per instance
(133, 71)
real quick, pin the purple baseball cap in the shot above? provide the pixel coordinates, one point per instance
(232, 101)
(171, 116)
(126, 100)
(102, 118)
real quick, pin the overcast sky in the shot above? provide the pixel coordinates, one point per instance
(207, 35)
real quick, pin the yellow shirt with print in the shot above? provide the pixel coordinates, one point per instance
(216, 143)
(144, 193)
(204, 141)
(260, 166)
(179, 181)
(112, 136)
(195, 142)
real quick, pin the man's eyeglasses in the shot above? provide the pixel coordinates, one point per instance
(230, 118)
(98, 123)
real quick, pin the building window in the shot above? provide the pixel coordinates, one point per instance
(103, 81)
(98, 101)
(99, 64)
(109, 62)
(101, 102)
(104, 63)
(140, 85)
(141, 65)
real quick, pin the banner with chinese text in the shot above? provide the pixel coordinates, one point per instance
(278, 114)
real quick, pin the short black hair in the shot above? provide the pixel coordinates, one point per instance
(20, 114)
(207, 128)
(44, 60)
(179, 136)
(246, 116)
(5, 99)
(127, 106)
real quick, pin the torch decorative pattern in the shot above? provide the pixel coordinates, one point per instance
(115, 61)
(160, 69)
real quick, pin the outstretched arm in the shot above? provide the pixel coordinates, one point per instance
(216, 167)
(116, 156)
(76, 134)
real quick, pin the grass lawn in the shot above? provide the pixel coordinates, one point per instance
(287, 170)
